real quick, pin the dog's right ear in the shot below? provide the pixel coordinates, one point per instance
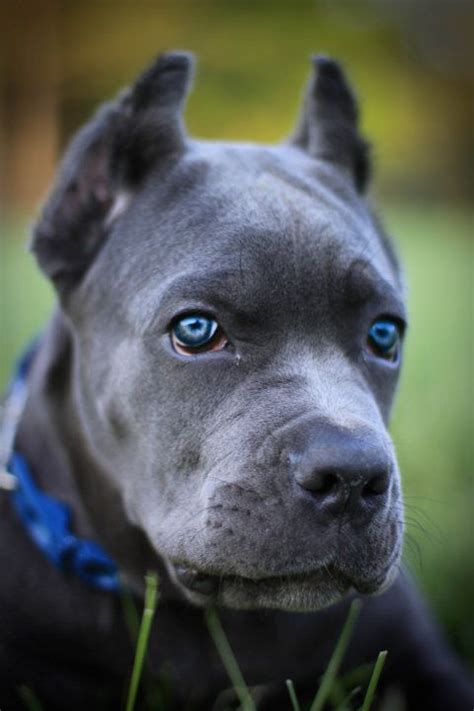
(108, 158)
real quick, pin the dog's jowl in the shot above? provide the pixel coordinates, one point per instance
(210, 400)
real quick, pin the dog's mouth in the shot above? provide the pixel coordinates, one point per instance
(298, 592)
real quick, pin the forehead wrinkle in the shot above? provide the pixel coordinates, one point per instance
(216, 286)
(329, 189)
(348, 214)
(315, 218)
(316, 193)
(362, 284)
(256, 191)
(276, 234)
(278, 169)
(212, 289)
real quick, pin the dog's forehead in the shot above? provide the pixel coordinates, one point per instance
(269, 188)
(270, 213)
(274, 203)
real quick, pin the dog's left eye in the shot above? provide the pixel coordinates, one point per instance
(384, 339)
(197, 333)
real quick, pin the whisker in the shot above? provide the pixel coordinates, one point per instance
(419, 510)
(414, 548)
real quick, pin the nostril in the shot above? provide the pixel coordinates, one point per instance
(376, 485)
(325, 483)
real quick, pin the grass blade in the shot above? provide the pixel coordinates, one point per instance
(294, 700)
(151, 596)
(336, 658)
(229, 661)
(374, 680)
(130, 613)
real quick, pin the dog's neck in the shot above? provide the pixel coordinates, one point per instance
(51, 438)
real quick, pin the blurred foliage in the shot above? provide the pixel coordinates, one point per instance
(253, 61)
(411, 62)
(433, 420)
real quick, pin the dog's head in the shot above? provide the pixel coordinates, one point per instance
(237, 320)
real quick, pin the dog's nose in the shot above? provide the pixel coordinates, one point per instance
(345, 472)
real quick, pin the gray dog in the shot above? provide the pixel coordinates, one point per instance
(211, 400)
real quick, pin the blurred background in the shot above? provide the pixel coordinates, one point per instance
(413, 66)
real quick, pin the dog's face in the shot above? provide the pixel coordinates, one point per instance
(237, 318)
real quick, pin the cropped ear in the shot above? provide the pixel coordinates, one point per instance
(107, 160)
(328, 125)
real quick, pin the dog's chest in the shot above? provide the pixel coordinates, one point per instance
(66, 641)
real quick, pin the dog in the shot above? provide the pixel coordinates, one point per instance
(210, 399)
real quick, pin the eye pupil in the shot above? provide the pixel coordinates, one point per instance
(383, 334)
(384, 339)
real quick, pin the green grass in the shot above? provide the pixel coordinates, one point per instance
(151, 598)
(326, 688)
(432, 424)
(374, 680)
(332, 669)
(228, 659)
(295, 704)
(330, 685)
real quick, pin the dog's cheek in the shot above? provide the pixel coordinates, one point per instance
(383, 381)
(112, 415)
(108, 393)
(142, 439)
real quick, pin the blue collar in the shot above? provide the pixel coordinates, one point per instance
(46, 519)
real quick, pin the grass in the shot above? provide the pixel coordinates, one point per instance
(229, 661)
(151, 597)
(374, 680)
(242, 691)
(332, 669)
(326, 689)
(295, 704)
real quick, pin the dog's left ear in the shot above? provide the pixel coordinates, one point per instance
(105, 164)
(328, 125)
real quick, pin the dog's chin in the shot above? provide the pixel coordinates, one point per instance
(306, 592)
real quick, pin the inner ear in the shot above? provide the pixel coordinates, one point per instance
(105, 164)
(120, 204)
(328, 125)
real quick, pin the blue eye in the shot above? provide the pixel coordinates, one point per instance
(384, 339)
(196, 332)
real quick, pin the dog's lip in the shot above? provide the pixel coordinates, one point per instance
(203, 583)
(207, 585)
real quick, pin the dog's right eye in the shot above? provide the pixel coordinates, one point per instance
(384, 339)
(197, 333)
